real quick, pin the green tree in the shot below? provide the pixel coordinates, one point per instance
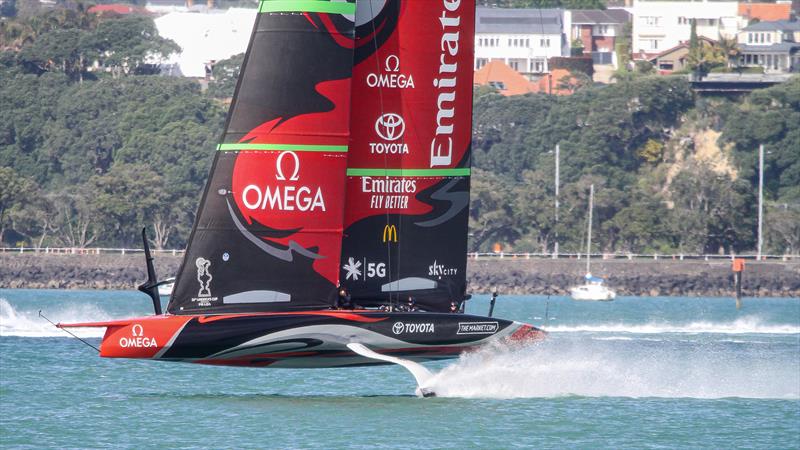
(226, 73)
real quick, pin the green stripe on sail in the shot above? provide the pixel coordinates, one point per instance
(283, 147)
(461, 172)
(317, 6)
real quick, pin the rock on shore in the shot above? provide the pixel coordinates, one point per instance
(509, 276)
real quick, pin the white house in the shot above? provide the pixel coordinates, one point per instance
(205, 37)
(522, 38)
(660, 25)
(773, 45)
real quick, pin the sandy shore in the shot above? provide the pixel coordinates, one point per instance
(510, 276)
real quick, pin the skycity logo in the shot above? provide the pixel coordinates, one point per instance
(285, 197)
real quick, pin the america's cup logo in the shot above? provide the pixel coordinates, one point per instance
(390, 126)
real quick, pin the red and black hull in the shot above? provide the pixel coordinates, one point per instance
(303, 340)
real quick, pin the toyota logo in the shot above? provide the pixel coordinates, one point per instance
(397, 328)
(390, 126)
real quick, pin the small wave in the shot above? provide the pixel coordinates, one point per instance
(559, 368)
(744, 325)
(23, 323)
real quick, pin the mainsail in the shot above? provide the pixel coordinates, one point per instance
(408, 167)
(268, 231)
(345, 159)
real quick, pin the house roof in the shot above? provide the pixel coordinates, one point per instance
(505, 79)
(518, 20)
(780, 47)
(116, 8)
(548, 84)
(766, 11)
(773, 25)
(599, 16)
(682, 45)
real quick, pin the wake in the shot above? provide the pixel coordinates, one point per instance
(743, 325)
(25, 323)
(584, 367)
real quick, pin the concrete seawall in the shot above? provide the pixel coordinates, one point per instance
(509, 276)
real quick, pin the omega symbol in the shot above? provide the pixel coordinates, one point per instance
(279, 167)
(392, 63)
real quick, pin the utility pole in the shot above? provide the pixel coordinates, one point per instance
(760, 199)
(555, 247)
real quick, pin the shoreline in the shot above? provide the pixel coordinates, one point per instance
(509, 276)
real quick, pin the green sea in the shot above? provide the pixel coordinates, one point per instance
(638, 372)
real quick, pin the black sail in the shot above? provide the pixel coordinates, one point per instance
(267, 236)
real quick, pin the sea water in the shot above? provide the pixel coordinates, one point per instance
(637, 372)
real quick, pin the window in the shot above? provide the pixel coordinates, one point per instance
(601, 30)
(480, 62)
(749, 38)
(769, 37)
(652, 21)
(544, 42)
(527, 43)
(684, 21)
(509, 42)
(538, 65)
(499, 85)
(648, 44)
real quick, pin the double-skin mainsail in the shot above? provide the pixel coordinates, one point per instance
(344, 160)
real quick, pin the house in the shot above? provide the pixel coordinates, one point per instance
(772, 45)
(598, 31)
(660, 25)
(523, 39)
(674, 59)
(500, 76)
(205, 37)
(116, 9)
(509, 82)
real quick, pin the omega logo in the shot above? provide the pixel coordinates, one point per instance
(279, 167)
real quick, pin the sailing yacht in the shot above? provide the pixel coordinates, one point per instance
(593, 287)
(338, 196)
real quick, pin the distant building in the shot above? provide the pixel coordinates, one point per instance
(523, 39)
(205, 37)
(506, 80)
(509, 82)
(773, 45)
(598, 31)
(661, 25)
(116, 8)
(765, 11)
(674, 59)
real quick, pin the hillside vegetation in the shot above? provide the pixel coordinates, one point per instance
(91, 152)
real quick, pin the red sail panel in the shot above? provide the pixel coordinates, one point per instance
(268, 232)
(408, 168)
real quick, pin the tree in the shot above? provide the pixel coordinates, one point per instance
(129, 45)
(226, 74)
(14, 191)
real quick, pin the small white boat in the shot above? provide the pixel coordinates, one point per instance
(593, 288)
(165, 290)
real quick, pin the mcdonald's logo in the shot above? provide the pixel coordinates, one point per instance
(390, 233)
